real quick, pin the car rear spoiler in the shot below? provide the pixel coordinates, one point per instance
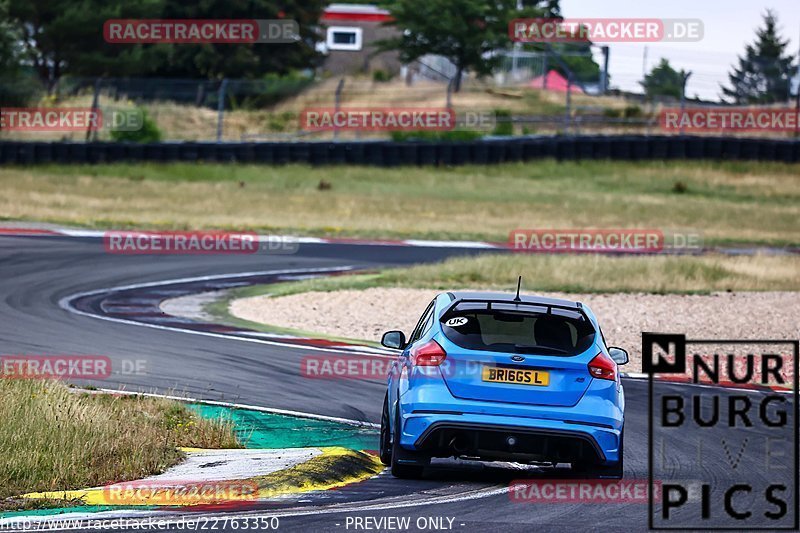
(453, 307)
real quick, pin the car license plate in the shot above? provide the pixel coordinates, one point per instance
(516, 376)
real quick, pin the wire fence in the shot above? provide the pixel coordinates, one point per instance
(235, 110)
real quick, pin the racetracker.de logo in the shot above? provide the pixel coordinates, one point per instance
(605, 30)
(378, 118)
(730, 119)
(345, 367)
(180, 242)
(180, 492)
(54, 366)
(50, 119)
(579, 491)
(586, 240)
(189, 31)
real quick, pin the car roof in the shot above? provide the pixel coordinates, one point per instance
(509, 297)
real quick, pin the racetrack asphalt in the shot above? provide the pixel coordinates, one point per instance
(36, 274)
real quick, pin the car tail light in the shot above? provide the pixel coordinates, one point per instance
(429, 354)
(603, 367)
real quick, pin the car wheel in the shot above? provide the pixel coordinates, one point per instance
(385, 451)
(403, 469)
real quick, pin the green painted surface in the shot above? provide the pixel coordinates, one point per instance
(67, 510)
(257, 429)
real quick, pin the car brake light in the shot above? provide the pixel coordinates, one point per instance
(429, 354)
(603, 367)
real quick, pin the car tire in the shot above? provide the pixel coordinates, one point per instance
(385, 450)
(404, 470)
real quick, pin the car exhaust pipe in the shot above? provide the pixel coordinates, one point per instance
(458, 444)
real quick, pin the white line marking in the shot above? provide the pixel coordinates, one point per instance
(346, 508)
(299, 414)
(321, 270)
(454, 244)
(97, 234)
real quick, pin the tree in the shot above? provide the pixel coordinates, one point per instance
(466, 32)
(9, 42)
(544, 8)
(216, 61)
(66, 36)
(17, 87)
(762, 76)
(663, 80)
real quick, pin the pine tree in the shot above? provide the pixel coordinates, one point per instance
(763, 74)
(663, 80)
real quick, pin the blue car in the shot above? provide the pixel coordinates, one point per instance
(498, 377)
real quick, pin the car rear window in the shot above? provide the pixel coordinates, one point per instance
(559, 333)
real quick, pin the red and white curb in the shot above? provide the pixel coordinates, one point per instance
(307, 343)
(96, 234)
(353, 241)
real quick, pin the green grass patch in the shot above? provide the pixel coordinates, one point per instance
(727, 202)
(573, 273)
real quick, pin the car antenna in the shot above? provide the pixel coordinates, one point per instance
(519, 282)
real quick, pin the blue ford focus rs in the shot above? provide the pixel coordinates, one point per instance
(497, 377)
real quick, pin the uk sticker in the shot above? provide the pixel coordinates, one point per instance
(723, 413)
(457, 321)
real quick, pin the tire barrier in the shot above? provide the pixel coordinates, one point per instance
(391, 154)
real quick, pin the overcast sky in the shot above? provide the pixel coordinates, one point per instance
(729, 25)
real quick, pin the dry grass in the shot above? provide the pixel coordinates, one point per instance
(573, 274)
(725, 202)
(187, 122)
(56, 439)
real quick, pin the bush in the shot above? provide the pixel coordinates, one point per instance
(148, 133)
(680, 187)
(381, 76)
(632, 111)
(279, 121)
(19, 91)
(503, 125)
(271, 89)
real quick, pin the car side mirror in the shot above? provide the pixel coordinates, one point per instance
(394, 339)
(619, 355)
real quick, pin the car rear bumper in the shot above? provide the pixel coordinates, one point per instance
(508, 438)
(431, 418)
